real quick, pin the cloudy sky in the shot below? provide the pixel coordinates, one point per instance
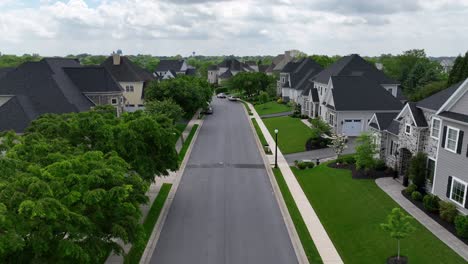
(240, 27)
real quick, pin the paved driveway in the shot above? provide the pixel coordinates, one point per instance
(224, 210)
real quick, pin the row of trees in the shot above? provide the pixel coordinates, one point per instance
(459, 71)
(73, 183)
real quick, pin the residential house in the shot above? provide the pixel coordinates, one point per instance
(436, 126)
(168, 69)
(131, 77)
(54, 85)
(348, 93)
(294, 78)
(217, 74)
(280, 61)
(447, 65)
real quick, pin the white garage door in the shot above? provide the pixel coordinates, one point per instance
(352, 127)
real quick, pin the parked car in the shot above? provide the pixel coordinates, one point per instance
(208, 110)
(233, 98)
(221, 95)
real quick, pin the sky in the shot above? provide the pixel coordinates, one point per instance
(240, 27)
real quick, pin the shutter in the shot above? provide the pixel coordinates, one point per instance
(444, 136)
(466, 200)
(460, 141)
(467, 150)
(449, 186)
(391, 148)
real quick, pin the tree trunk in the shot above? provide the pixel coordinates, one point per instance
(398, 256)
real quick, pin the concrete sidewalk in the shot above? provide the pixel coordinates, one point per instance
(153, 191)
(278, 114)
(394, 188)
(320, 237)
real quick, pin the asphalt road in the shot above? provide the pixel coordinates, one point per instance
(224, 210)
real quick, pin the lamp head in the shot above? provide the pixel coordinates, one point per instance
(276, 131)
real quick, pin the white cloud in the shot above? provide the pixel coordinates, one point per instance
(233, 27)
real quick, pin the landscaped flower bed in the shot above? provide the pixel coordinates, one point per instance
(348, 162)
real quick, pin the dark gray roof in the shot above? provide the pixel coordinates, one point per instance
(418, 115)
(166, 65)
(191, 71)
(301, 71)
(263, 68)
(234, 65)
(226, 74)
(126, 71)
(353, 65)
(212, 67)
(356, 93)
(455, 116)
(13, 116)
(4, 71)
(385, 119)
(394, 127)
(400, 95)
(435, 101)
(93, 79)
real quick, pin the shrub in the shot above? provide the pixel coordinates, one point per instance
(309, 164)
(339, 160)
(317, 142)
(365, 151)
(447, 211)
(301, 165)
(280, 101)
(461, 225)
(221, 90)
(431, 203)
(417, 196)
(380, 165)
(417, 169)
(321, 126)
(410, 189)
(349, 159)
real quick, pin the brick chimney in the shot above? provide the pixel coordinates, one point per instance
(116, 58)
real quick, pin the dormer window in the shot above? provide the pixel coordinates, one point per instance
(408, 129)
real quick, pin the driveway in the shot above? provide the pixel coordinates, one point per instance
(224, 210)
(324, 153)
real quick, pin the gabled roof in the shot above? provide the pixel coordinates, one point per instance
(353, 65)
(455, 116)
(93, 79)
(213, 67)
(263, 68)
(166, 65)
(13, 116)
(385, 119)
(226, 74)
(435, 101)
(356, 93)
(416, 114)
(301, 71)
(394, 127)
(126, 71)
(4, 71)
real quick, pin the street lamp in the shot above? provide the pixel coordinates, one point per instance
(276, 148)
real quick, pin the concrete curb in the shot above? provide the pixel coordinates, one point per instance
(152, 242)
(293, 235)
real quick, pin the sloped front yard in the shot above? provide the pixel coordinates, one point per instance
(272, 108)
(293, 134)
(351, 212)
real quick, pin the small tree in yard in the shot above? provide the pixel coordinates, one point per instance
(338, 143)
(263, 98)
(365, 151)
(399, 226)
(417, 169)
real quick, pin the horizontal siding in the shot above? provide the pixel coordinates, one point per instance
(461, 106)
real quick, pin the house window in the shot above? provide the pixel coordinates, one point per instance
(393, 147)
(114, 101)
(408, 129)
(452, 139)
(131, 88)
(435, 130)
(331, 119)
(430, 169)
(458, 191)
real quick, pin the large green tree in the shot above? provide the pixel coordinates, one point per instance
(165, 107)
(250, 83)
(459, 71)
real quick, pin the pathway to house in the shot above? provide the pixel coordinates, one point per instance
(322, 241)
(154, 190)
(394, 188)
(322, 154)
(278, 114)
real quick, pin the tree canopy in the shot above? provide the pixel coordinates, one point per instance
(459, 71)
(251, 83)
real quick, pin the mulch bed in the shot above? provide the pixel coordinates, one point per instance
(394, 260)
(361, 174)
(435, 216)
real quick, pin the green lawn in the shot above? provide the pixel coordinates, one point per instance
(134, 255)
(352, 210)
(187, 141)
(272, 108)
(259, 133)
(293, 134)
(301, 228)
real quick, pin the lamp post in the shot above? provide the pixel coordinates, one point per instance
(276, 148)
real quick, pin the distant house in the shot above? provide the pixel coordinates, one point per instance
(436, 126)
(347, 94)
(447, 65)
(217, 74)
(280, 61)
(54, 85)
(168, 69)
(131, 77)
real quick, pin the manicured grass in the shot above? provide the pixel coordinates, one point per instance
(301, 228)
(351, 212)
(246, 107)
(272, 108)
(259, 133)
(293, 134)
(135, 253)
(187, 141)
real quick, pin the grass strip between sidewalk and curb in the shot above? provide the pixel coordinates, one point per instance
(246, 107)
(259, 132)
(135, 253)
(187, 141)
(307, 243)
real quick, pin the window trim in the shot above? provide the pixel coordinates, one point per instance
(331, 117)
(427, 167)
(432, 127)
(447, 139)
(411, 129)
(116, 101)
(464, 193)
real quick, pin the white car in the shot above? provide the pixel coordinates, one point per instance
(232, 98)
(221, 95)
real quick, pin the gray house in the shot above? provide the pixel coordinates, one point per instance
(436, 126)
(217, 74)
(294, 78)
(168, 69)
